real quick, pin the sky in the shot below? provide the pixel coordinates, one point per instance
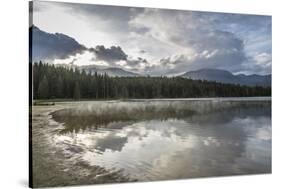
(155, 41)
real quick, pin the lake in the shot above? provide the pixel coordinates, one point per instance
(90, 142)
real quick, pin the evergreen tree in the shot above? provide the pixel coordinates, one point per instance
(59, 92)
(43, 89)
(76, 93)
(57, 82)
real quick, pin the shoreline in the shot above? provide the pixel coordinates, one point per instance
(49, 102)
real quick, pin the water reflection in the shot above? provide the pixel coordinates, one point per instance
(170, 140)
(115, 115)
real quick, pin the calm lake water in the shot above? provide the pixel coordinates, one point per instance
(147, 140)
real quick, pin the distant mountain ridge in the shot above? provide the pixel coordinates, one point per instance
(218, 75)
(110, 71)
(221, 76)
(46, 46)
(224, 76)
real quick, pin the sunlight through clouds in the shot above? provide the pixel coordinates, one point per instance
(173, 41)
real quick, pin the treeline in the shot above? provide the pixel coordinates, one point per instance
(52, 82)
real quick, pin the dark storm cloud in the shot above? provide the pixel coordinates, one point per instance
(115, 54)
(112, 54)
(48, 46)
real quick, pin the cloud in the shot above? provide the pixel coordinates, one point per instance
(34, 7)
(137, 61)
(263, 59)
(60, 48)
(142, 51)
(159, 41)
(112, 54)
(203, 40)
(48, 46)
(221, 59)
(259, 63)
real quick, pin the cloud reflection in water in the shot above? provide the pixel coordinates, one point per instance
(229, 140)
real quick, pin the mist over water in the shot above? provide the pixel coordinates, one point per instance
(168, 139)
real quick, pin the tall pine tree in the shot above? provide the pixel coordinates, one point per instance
(76, 93)
(43, 89)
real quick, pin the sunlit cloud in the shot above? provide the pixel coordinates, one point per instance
(159, 41)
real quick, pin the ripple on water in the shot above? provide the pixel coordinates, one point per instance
(234, 138)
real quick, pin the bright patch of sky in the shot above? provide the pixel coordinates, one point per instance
(158, 41)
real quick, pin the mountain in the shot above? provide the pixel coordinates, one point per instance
(224, 76)
(118, 72)
(111, 71)
(47, 46)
